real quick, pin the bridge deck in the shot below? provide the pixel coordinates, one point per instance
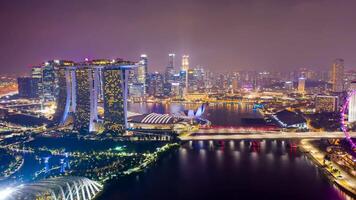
(218, 135)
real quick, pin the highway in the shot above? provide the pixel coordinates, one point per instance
(209, 135)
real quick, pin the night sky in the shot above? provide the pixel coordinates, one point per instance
(218, 34)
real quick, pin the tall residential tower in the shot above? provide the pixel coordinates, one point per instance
(337, 75)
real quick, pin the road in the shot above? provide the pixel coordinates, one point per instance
(341, 177)
(262, 135)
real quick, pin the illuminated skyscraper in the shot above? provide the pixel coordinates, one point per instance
(86, 101)
(156, 85)
(66, 101)
(185, 63)
(192, 80)
(114, 113)
(234, 85)
(27, 87)
(80, 87)
(115, 78)
(301, 85)
(170, 65)
(142, 71)
(50, 80)
(352, 104)
(337, 75)
(185, 69)
(36, 72)
(288, 85)
(170, 68)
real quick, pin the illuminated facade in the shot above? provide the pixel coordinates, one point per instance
(234, 85)
(66, 101)
(156, 85)
(171, 57)
(185, 63)
(142, 71)
(337, 75)
(136, 91)
(65, 187)
(50, 80)
(288, 85)
(82, 86)
(36, 72)
(326, 103)
(170, 68)
(301, 85)
(114, 97)
(185, 69)
(86, 101)
(28, 87)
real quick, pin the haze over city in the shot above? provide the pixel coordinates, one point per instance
(224, 35)
(162, 99)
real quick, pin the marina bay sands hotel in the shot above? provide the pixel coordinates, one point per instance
(82, 86)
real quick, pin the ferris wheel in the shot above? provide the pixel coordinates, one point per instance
(343, 111)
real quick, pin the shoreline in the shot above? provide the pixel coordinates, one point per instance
(139, 169)
(340, 183)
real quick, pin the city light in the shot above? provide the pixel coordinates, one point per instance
(5, 193)
(177, 100)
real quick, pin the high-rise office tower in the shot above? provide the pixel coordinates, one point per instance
(185, 63)
(192, 80)
(288, 85)
(36, 72)
(337, 75)
(185, 69)
(199, 76)
(301, 85)
(170, 68)
(50, 80)
(170, 65)
(352, 104)
(28, 87)
(234, 85)
(142, 71)
(156, 85)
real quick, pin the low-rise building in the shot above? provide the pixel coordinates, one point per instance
(289, 119)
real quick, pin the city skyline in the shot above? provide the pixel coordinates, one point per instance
(245, 35)
(188, 99)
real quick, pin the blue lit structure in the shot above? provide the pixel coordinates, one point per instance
(65, 187)
(46, 164)
(258, 106)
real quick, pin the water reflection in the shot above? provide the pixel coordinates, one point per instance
(218, 114)
(230, 170)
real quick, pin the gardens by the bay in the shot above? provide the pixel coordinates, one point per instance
(98, 160)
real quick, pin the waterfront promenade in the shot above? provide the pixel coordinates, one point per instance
(207, 134)
(340, 177)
